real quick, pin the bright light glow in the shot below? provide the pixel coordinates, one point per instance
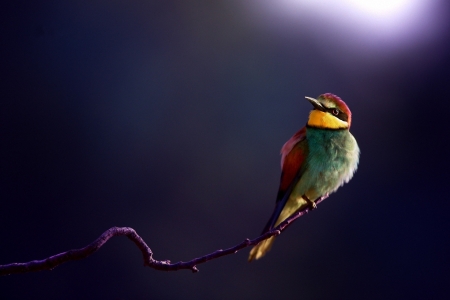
(371, 25)
(388, 14)
(381, 7)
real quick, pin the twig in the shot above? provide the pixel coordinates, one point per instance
(53, 261)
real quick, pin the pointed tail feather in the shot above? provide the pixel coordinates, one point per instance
(261, 249)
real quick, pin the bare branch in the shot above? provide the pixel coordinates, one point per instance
(53, 261)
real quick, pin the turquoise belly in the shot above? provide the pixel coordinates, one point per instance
(332, 160)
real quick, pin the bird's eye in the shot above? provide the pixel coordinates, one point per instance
(335, 111)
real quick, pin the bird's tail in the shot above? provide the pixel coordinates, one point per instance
(261, 249)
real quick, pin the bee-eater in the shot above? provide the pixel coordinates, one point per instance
(315, 162)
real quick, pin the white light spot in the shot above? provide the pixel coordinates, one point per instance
(381, 7)
(365, 27)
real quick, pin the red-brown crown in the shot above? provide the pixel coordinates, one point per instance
(329, 100)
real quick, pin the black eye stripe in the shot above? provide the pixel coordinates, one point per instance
(341, 115)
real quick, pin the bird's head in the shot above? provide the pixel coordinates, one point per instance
(329, 112)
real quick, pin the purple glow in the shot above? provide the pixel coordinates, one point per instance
(376, 26)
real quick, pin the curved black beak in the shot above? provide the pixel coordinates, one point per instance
(317, 105)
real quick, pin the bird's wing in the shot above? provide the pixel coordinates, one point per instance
(293, 156)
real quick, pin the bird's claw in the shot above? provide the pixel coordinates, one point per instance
(311, 204)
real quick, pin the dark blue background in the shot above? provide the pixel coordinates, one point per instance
(168, 117)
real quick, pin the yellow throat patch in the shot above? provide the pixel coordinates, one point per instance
(322, 119)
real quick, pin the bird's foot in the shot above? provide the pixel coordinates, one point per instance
(312, 205)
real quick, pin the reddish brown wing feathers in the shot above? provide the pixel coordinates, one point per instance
(292, 158)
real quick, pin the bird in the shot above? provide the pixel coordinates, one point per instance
(315, 162)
